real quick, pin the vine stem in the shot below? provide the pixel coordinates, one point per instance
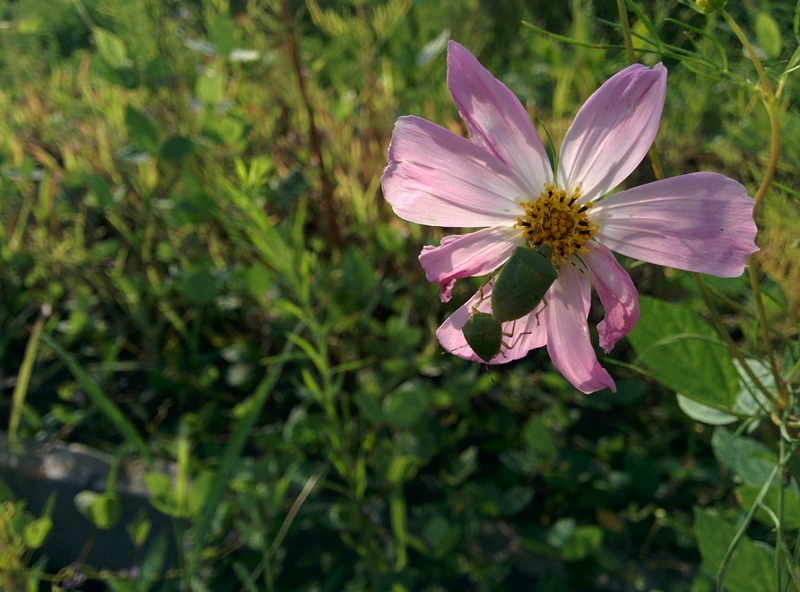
(328, 206)
(770, 100)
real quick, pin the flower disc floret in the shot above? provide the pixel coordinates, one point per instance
(558, 220)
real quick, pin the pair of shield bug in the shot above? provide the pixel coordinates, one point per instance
(518, 289)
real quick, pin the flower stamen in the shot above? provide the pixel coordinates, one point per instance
(555, 219)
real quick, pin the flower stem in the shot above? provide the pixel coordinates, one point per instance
(626, 31)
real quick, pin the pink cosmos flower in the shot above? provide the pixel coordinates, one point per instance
(503, 183)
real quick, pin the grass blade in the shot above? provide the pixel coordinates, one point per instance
(106, 405)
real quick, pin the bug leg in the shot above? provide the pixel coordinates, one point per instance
(513, 344)
(541, 311)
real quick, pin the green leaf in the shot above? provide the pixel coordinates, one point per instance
(142, 133)
(101, 400)
(790, 519)
(433, 48)
(176, 148)
(582, 543)
(223, 34)
(369, 407)
(750, 402)
(539, 439)
(210, 88)
(575, 542)
(111, 48)
(139, 528)
(750, 567)
(440, 534)
(515, 500)
(704, 413)
(198, 494)
(36, 532)
(684, 353)
(259, 281)
(405, 406)
(154, 560)
(751, 461)
(102, 509)
(201, 287)
(162, 496)
(768, 34)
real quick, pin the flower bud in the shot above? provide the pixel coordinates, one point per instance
(709, 6)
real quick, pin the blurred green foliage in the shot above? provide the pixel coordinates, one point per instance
(190, 201)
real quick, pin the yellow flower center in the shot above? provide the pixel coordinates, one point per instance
(555, 219)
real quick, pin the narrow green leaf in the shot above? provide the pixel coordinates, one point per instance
(99, 398)
(768, 34)
(23, 381)
(230, 456)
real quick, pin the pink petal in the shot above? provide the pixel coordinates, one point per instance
(613, 131)
(525, 334)
(568, 341)
(496, 120)
(468, 255)
(617, 293)
(698, 222)
(438, 178)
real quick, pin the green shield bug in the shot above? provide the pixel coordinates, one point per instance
(522, 283)
(516, 291)
(484, 335)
